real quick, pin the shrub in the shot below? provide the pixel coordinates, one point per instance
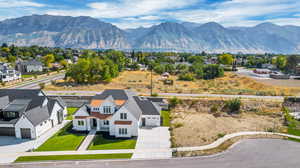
(154, 94)
(186, 77)
(214, 108)
(233, 105)
(42, 85)
(177, 125)
(221, 135)
(174, 102)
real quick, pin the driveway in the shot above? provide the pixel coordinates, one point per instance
(157, 138)
(11, 147)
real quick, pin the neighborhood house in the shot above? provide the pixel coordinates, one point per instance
(119, 112)
(30, 66)
(8, 74)
(29, 113)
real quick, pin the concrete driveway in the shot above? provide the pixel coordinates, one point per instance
(158, 139)
(11, 147)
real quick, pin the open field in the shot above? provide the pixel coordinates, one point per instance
(193, 124)
(140, 82)
(280, 82)
(63, 140)
(73, 157)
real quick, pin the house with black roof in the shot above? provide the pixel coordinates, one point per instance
(119, 112)
(29, 113)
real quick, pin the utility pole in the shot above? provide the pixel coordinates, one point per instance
(151, 91)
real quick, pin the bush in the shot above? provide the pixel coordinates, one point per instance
(174, 102)
(42, 85)
(212, 71)
(154, 94)
(186, 77)
(233, 106)
(214, 108)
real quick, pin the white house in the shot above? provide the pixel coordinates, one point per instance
(28, 113)
(119, 112)
(30, 66)
(8, 74)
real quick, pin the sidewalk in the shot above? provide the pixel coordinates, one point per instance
(87, 141)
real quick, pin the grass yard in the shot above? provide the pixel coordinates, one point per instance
(63, 140)
(71, 111)
(101, 143)
(293, 126)
(27, 76)
(73, 157)
(139, 81)
(166, 118)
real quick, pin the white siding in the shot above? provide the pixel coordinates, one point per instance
(24, 123)
(152, 120)
(43, 127)
(132, 129)
(83, 127)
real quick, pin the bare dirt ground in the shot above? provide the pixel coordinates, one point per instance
(281, 83)
(140, 82)
(193, 125)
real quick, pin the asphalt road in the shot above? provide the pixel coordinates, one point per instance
(35, 83)
(260, 153)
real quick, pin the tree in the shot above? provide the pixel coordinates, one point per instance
(64, 63)
(292, 62)
(226, 59)
(280, 62)
(212, 71)
(48, 59)
(159, 69)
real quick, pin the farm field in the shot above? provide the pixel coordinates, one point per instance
(139, 81)
(193, 123)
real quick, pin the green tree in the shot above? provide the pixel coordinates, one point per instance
(48, 59)
(280, 62)
(212, 71)
(226, 59)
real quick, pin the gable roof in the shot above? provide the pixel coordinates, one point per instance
(146, 106)
(31, 103)
(117, 94)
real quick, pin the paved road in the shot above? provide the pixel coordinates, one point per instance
(260, 153)
(35, 83)
(89, 93)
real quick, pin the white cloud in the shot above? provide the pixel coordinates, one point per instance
(19, 3)
(125, 8)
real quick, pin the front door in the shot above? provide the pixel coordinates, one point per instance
(143, 122)
(94, 123)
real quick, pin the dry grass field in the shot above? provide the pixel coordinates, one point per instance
(192, 123)
(140, 81)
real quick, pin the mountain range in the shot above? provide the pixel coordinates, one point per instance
(90, 33)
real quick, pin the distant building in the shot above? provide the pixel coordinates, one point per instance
(268, 66)
(7, 73)
(298, 69)
(29, 66)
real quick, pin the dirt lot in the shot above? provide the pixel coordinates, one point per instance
(193, 124)
(140, 81)
(281, 83)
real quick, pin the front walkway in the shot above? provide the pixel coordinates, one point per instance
(87, 141)
(153, 143)
(10, 147)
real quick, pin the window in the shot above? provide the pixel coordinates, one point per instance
(106, 110)
(80, 123)
(122, 131)
(105, 122)
(123, 116)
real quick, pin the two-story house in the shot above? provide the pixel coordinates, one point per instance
(119, 112)
(29, 113)
(29, 66)
(7, 73)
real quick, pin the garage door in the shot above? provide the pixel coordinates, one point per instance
(25, 133)
(7, 131)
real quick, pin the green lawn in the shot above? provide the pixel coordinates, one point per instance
(27, 76)
(73, 157)
(293, 126)
(166, 118)
(101, 143)
(71, 111)
(63, 140)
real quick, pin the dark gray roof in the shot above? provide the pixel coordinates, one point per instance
(117, 94)
(4, 101)
(32, 62)
(132, 106)
(146, 106)
(156, 99)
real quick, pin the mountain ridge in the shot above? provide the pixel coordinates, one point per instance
(90, 33)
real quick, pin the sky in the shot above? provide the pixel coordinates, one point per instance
(137, 13)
